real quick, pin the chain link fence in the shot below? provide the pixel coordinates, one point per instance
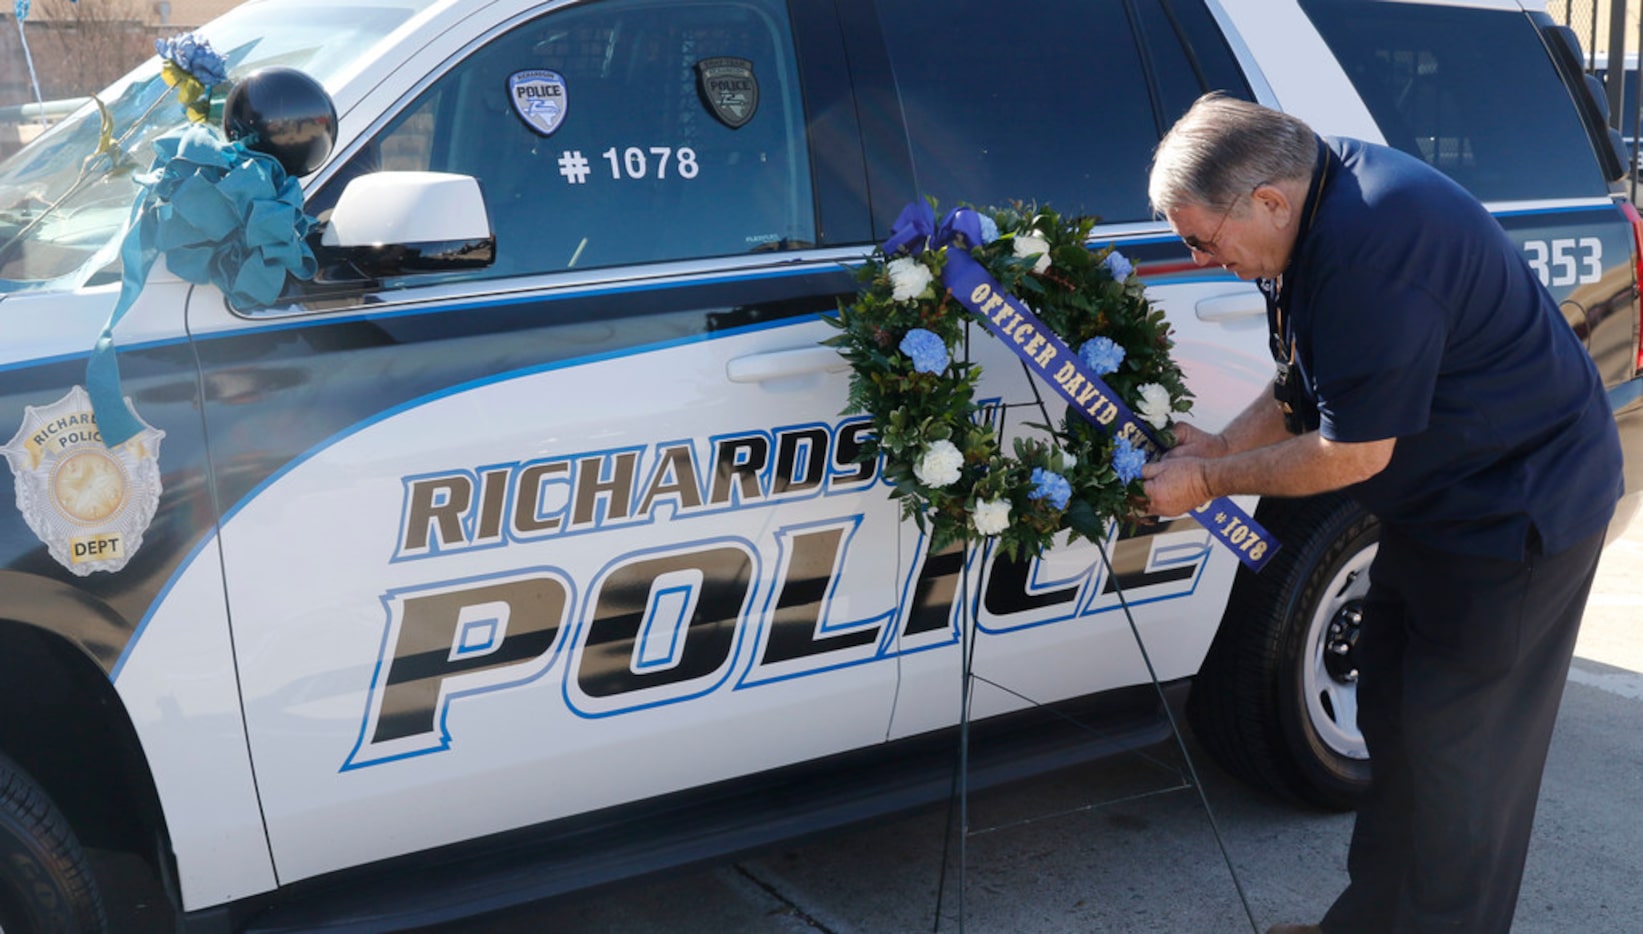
(1592, 22)
(1582, 16)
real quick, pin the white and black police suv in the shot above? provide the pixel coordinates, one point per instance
(525, 546)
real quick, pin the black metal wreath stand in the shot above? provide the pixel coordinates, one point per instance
(959, 800)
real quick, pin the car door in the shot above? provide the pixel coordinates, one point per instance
(584, 526)
(1074, 99)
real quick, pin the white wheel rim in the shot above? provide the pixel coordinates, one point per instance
(1331, 703)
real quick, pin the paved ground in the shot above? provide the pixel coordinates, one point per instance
(1126, 846)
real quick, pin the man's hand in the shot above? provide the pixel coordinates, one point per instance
(1195, 442)
(1176, 484)
(1179, 476)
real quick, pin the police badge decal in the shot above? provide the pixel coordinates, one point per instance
(540, 98)
(729, 89)
(88, 503)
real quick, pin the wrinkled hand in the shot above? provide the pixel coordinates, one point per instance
(1195, 442)
(1175, 485)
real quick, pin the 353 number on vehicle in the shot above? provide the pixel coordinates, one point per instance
(1565, 261)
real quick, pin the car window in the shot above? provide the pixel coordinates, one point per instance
(1059, 108)
(1471, 91)
(1189, 55)
(622, 132)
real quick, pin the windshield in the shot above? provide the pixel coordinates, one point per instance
(62, 206)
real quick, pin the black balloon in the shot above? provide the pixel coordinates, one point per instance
(285, 113)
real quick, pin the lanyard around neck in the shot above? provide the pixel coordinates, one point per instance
(1277, 290)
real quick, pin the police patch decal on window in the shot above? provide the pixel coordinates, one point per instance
(540, 98)
(90, 504)
(729, 89)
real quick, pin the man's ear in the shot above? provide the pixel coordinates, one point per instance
(1272, 202)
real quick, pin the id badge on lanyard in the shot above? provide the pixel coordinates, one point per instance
(1287, 390)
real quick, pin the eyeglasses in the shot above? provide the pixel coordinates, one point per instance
(1208, 247)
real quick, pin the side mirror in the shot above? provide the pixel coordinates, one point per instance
(390, 224)
(1599, 94)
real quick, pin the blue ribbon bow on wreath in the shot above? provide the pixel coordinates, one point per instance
(916, 230)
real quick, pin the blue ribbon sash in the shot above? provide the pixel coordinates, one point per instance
(1046, 355)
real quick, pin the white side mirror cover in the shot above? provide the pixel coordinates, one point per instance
(408, 207)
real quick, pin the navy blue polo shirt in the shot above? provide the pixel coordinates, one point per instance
(1415, 317)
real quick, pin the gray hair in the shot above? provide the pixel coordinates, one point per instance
(1224, 148)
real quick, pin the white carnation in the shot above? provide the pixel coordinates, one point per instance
(991, 517)
(1155, 404)
(1028, 244)
(908, 278)
(940, 465)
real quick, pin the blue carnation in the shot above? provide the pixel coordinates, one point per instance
(1119, 265)
(193, 53)
(1047, 484)
(1127, 460)
(989, 229)
(928, 351)
(1102, 354)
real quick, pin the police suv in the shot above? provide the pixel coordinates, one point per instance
(525, 546)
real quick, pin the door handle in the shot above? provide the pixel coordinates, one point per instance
(1231, 307)
(783, 364)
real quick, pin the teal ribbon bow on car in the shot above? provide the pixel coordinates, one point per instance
(222, 215)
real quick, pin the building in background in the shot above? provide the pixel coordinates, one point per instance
(78, 48)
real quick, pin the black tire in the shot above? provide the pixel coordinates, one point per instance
(46, 884)
(1276, 699)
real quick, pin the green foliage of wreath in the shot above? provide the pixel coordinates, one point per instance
(1081, 293)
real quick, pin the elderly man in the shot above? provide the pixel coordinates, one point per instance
(1422, 368)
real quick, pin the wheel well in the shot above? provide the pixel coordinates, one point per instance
(61, 720)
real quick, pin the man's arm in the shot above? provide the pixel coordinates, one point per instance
(1297, 466)
(1260, 423)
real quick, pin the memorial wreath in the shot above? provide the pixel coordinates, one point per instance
(906, 336)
